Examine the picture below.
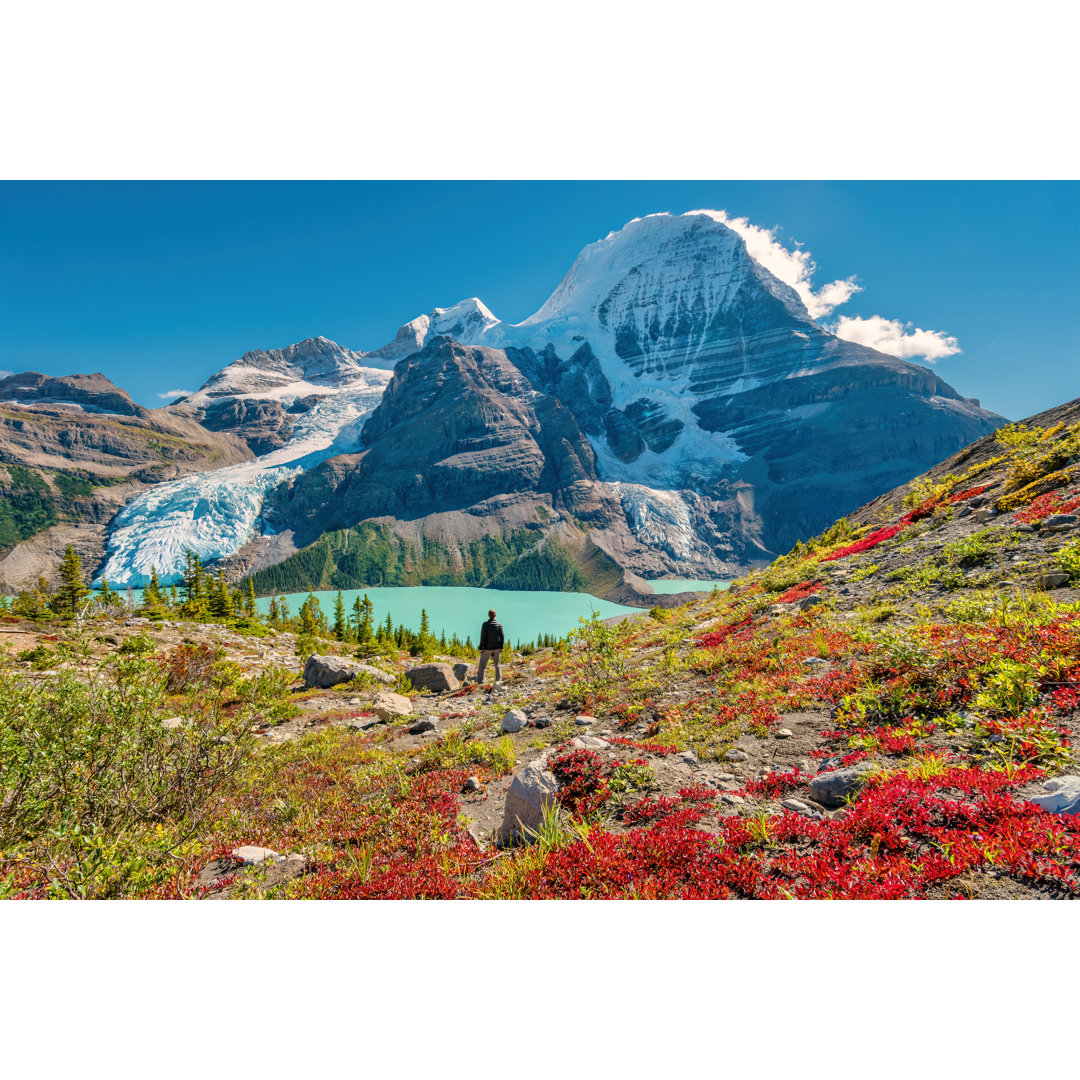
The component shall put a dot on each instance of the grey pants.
(485, 656)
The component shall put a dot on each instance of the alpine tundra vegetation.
(889, 710)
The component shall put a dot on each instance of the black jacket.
(491, 635)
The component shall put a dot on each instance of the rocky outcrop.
(332, 670)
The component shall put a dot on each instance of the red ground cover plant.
(660, 749)
(867, 542)
(739, 631)
(1044, 506)
(800, 592)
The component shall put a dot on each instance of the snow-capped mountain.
(721, 420)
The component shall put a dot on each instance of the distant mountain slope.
(73, 451)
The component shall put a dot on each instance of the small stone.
(589, 742)
(732, 800)
(513, 721)
(784, 733)
(354, 701)
(1025, 528)
(173, 722)
(564, 703)
(425, 723)
(736, 755)
(724, 776)
(1056, 784)
(689, 757)
(250, 856)
(795, 804)
(472, 784)
(584, 721)
(963, 512)
(542, 722)
(815, 660)
(1059, 519)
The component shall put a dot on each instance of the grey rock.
(461, 672)
(832, 788)
(1063, 798)
(1054, 579)
(437, 678)
(724, 776)
(331, 670)
(542, 722)
(390, 706)
(589, 742)
(963, 512)
(1059, 519)
(425, 723)
(1025, 528)
(513, 721)
(736, 755)
(531, 792)
(808, 602)
(173, 722)
(795, 804)
(732, 800)
(584, 721)
(472, 784)
(689, 757)
(784, 733)
(815, 660)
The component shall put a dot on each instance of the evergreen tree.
(73, 590)
(341, 625)
(220, 603)
(152, 591)
(273, 617)
(249, 598)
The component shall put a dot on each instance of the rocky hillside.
(73, 451)
(888, 711)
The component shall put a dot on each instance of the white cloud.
(896, 338)
(170, 394)
(794, 268)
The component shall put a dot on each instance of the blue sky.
(158, 285)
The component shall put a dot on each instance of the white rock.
(1063, 799)
(250, 855)
(588, 742)
(513, 721)
(584, 721)
(390, 706)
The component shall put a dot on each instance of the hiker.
(491, 643)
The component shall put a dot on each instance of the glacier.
(215, 513)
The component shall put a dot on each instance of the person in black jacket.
(491, 644)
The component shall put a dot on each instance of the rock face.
(331, 670)
(83, 426)
(435, 677)
(531, 792)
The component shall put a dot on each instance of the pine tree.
(341, 625)
(106, 594)
(273, 617)
(249, 598)
(152, 591)
(220, 603)
(73, 588)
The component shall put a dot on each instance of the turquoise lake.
(667, 586)
(460, 610)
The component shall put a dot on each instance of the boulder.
(833, 788)
(435, 677)
(461, 672)
(425, 723)
(1062, 795)
(331, 670)
(1054, 579)
(531, 792)
(249, 855)
(513, 721)
(390, 706)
